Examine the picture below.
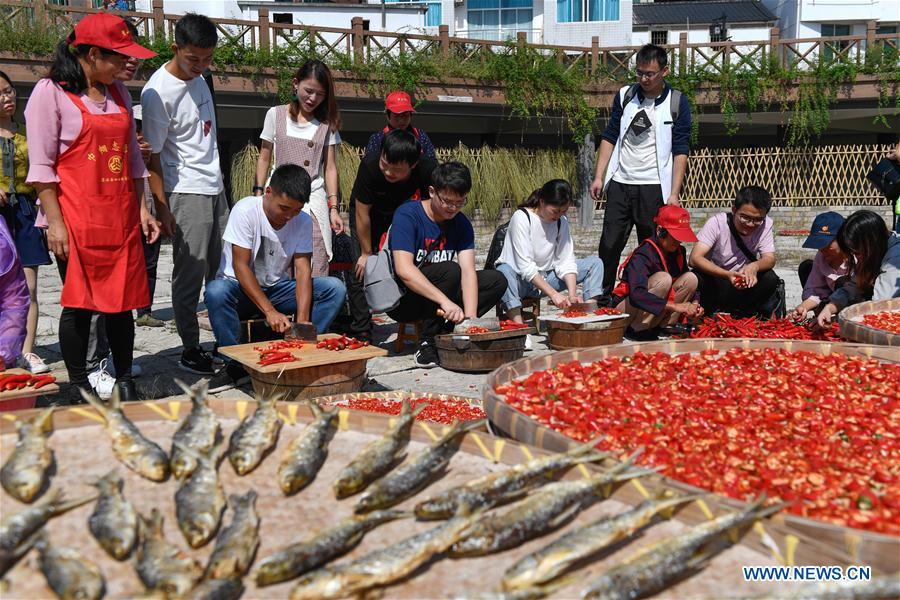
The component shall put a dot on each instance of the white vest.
(664, 126)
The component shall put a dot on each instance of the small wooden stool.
(531, 310)
(404, 335)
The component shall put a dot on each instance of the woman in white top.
(305, 133)
(538, 257)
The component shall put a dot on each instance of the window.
(659, 38)
(576, 11)
(833, 48)
(286, 18)
(499, 19)
(883, 29)
(433, 16)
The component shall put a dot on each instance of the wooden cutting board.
(309, 355)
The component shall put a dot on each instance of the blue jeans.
(590, 274)
(228, 304)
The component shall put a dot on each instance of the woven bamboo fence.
(811, 176)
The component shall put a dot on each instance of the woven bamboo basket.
(852, 327)
(812, 541)
(285, 520)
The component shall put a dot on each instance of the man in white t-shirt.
(179, 123)
(266, 238)
(642, 157)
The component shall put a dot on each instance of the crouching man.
(735, 258)
(433, 248)
(657, 289)
(266, 238)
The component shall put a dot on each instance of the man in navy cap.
(823, 274)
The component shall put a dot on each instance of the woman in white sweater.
(538, 257)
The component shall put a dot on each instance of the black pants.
(626, 206)
(803, 271)
(447, 277)
(361, 317)
(98, 342)
(151, 258)
(74, 331)
(718, 295)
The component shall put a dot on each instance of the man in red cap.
(399, 110)
(656, 287)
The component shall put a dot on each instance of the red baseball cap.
(677, 221)
(109, 32)
(398, 102)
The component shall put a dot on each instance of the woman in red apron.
(87, 169)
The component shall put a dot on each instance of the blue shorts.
(31, 242)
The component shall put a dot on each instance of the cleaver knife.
(301, 331)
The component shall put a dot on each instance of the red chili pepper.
(477, 329)
(572, 314)
(509, 325)
(604, 310)
(40, 381)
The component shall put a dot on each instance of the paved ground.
(157, 349)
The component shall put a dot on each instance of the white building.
(395, 16)
(715, 21)
(814, 18)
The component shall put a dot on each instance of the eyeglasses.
(646, 74)
(10, 93)
(750, 220)
(451, 205)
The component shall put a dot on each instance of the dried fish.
(24, 474)
(255, 436)
(236, 545)
(114, 520)
(307, 453)
(199, 431)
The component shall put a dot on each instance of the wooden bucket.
(481, 352)
(852, 327)
(563, 336)
(818, 543)
(312, 382)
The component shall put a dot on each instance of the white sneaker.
(33, 363)
(102, 382)
(136, 370)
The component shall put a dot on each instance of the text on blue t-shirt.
(412, 231)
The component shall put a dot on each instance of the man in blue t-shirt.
(433, 247)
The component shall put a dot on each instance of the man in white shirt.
(266, 238)
(179, 123)
(642, 157)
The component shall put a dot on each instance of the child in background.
(823, 274)
(14, 300)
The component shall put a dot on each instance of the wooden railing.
(359, 45)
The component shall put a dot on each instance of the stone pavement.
(157, 350)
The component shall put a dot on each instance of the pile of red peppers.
(820, 431)
(726, 326)
(20, 381)
(341, 343)
(437, 411)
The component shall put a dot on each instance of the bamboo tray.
(810, 541)
(319, 372)
(852, 327)
(285, 520)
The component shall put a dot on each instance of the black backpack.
(496, 247)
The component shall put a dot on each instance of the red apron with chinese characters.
(106, 271)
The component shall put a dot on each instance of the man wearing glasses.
(433, 247)
(735, 255)
(642, 157)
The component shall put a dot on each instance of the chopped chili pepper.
(604, 310)
(818, 430)
(509, 325)
(573, 314)
(888, 321)
(437, 411)
(477, 329)
(341, 343)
